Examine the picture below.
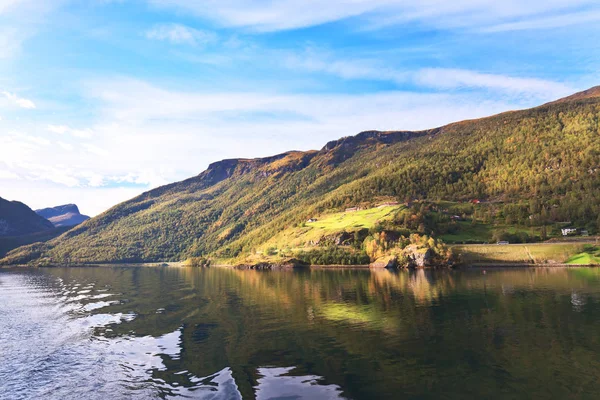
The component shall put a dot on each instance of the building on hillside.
(352, 209)
(456, 218)
(569, 231)
(312, 220)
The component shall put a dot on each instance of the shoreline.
(518, 255)
(307, 267)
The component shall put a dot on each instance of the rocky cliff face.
(57, 211)
(418, 258)
(65, 215)
(342, 149)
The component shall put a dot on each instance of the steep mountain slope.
(18, 219)
(19, 226)
(542, 164)
(65, 215)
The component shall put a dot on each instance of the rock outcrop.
(418, 257)
(385, 262)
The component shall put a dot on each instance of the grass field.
(538, 253)
(330, 224)
(589, 256)
(353, 220)
(468, 232)
(480, 232)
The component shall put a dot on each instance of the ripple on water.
(49, 329)
(144, 333)
(48, 335)
(278, 383)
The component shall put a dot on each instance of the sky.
(101, 100)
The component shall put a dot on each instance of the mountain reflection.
(315, 334)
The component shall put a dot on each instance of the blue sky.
(103, 99)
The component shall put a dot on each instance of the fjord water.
(132, 332)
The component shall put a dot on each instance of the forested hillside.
(522, 173)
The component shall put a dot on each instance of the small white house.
(569, 231)
(312, 220)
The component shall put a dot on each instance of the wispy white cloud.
(92, 179)
(301, 121)
(438, 78)
(265, 15)
(6, 5)
(474, 15)
(18, 149)
(41, 141)
(19, 101)
(31, 9)
(21, 20)
(149, 176)
(446, 78)
(321, 61)
(67, 130)
(271, 16)
(546, 22)
(181, 34)
(130, 146)
(65, 146)
(8, 175)
(56, 174)
(96, 150)
(10, 42)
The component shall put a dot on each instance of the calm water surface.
(131, 332)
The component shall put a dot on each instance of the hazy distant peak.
(64, 215)
(58, 210)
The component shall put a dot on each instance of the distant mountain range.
(18, 219)
(20, 225)
(65, 215)
(523, 173)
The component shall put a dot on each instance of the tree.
(544, 233)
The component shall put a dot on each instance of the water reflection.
(315, 334)
(578, 301)
(277, 383)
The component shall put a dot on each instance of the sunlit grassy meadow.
(330, 224)
(538, 253)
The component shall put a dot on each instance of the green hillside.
(329, 226)
(519, 175)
